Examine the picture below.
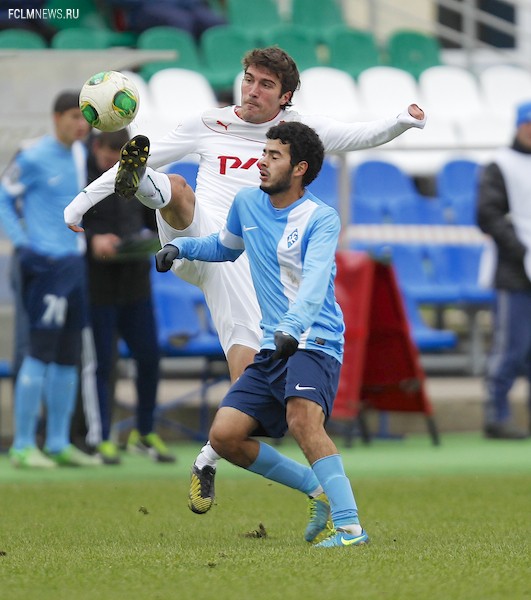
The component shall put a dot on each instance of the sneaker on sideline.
(108, 452)
(504, 431)
(30, 458)
(151, 445)
(73, 457)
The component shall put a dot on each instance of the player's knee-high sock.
(331, 475)
(271, 464)
(154, 190)
(28, 395)
(61, 394)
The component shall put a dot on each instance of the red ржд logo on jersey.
(233, 162)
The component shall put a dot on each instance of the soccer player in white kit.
(229, 142)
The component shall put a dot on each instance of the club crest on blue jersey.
(293, 237)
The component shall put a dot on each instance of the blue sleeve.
(226, 245)
(13, 185)
(319, 260)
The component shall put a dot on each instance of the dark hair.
(112, 139)
(305, 145)
(277, 61)
(65, 101)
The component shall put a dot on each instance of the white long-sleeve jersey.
(229, 149)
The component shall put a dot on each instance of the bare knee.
(229, 436)
(223, 440)
(179, 212)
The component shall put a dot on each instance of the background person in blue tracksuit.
(52, 266)
(290, 237)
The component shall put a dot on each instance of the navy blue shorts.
(265, 386)
(54, 293)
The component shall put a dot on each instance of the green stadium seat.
(222, 49)
(21, 39)
(254, 17)
(299, 43)
(316, 15)
(82, 38)
(351, 50)
(169, 38)
(413, 51)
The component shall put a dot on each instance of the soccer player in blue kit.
(290, 237)
(229, 141)
(44, 176)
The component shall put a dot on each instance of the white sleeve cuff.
(406, 119)
(74, 212)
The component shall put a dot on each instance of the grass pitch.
(445, 523)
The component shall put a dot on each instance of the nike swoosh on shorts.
(301, 388)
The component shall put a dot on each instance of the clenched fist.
(165, 257)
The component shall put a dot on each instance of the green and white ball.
(109, 101)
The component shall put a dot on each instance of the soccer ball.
(109, 101)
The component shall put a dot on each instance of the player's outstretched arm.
(338, 136)
(207, 249)
(95, 192)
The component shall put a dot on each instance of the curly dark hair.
(280, 63)
(305, 145)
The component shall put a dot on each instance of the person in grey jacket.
(504, 213)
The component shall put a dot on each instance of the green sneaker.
(108, 452)
(319, 511)
(73, 457)
(30, 458)
(132, 166)
(150, 445)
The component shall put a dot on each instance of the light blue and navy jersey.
(45, 176)
(292, 257)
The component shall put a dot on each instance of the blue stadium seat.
(459, 265)
(415, 210)
(426, 338)
(325, 186)
(383, 187)
(365, 212)
(185, 330)
(457, 183)
(421, 277)
(187, 169)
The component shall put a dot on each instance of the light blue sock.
(272, 465)
(28, 396)
(61, 394)
(331, 475)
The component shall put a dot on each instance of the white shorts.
(228, 287)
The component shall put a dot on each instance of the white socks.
(316, 492)
(154, 190)
(207, 457)
(354, 529)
